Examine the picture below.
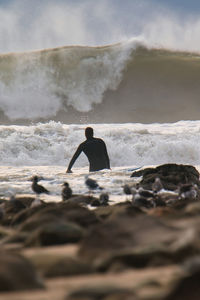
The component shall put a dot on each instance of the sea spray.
(39, 84)
(120, 83)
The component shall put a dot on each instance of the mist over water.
(30, 25)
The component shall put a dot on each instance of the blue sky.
(27, 24)
(186, 6)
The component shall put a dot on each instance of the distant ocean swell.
(126, 82)
(53, 143)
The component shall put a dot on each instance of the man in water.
(95, 150)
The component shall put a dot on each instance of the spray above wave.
(125, 82)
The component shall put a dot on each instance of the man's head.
(89, 132)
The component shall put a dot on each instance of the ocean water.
(45, 149)
(142, 101)
(129, 82)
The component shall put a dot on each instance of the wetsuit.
(96, 152)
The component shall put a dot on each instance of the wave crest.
(125, 82)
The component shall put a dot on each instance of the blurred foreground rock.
(114, 252)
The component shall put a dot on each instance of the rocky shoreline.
(123, 251)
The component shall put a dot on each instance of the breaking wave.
(125, 82)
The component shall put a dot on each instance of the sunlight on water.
(17, 181)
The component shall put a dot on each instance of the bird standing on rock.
(145, 193)
(188, 191)
(157, 185)
(143, 198)
(38, 189)
(104, 198)
(66, 191)
(127, 189)
(142, 201)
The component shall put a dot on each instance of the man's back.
(95, 150)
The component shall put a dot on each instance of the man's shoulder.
(93, 140)
(99, 140)
(82, 144)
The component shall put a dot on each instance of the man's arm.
(74, 158)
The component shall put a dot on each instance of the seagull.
(92, 184)
(145, 193)
(141, 201)
(66, 191)
(38, 189)
(188, 191)
(104, 198)
(127, 189)
(157, 185)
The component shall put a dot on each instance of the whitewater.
(119, 83)
(142, 101)
(45, 149)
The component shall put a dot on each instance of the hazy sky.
(181, 5)
(27, 24)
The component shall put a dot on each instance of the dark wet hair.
(89, 132)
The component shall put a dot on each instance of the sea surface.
(141, 100)
(45, 149)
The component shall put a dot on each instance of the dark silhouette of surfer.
(95, 150)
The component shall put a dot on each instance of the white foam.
(39, 84)
(128, 144)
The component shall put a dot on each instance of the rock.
(27, 213)
(78, 214)
(82, 199)
(36, 221)
(187, 288)
(17, 273)
(68, 267)
(95, 203)
(6, 232)
(26, 200)
(15, 238)
(193, 208)
(14, 206)
(31, 218)
(113, 211)
(101, 293)
(142, 172)
(171, 176)
(55, 233)
(140, 242)
(142, 232)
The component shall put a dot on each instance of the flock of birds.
(67, 191)
(157, 195)
(139, 196)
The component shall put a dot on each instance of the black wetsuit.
(96, 152)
